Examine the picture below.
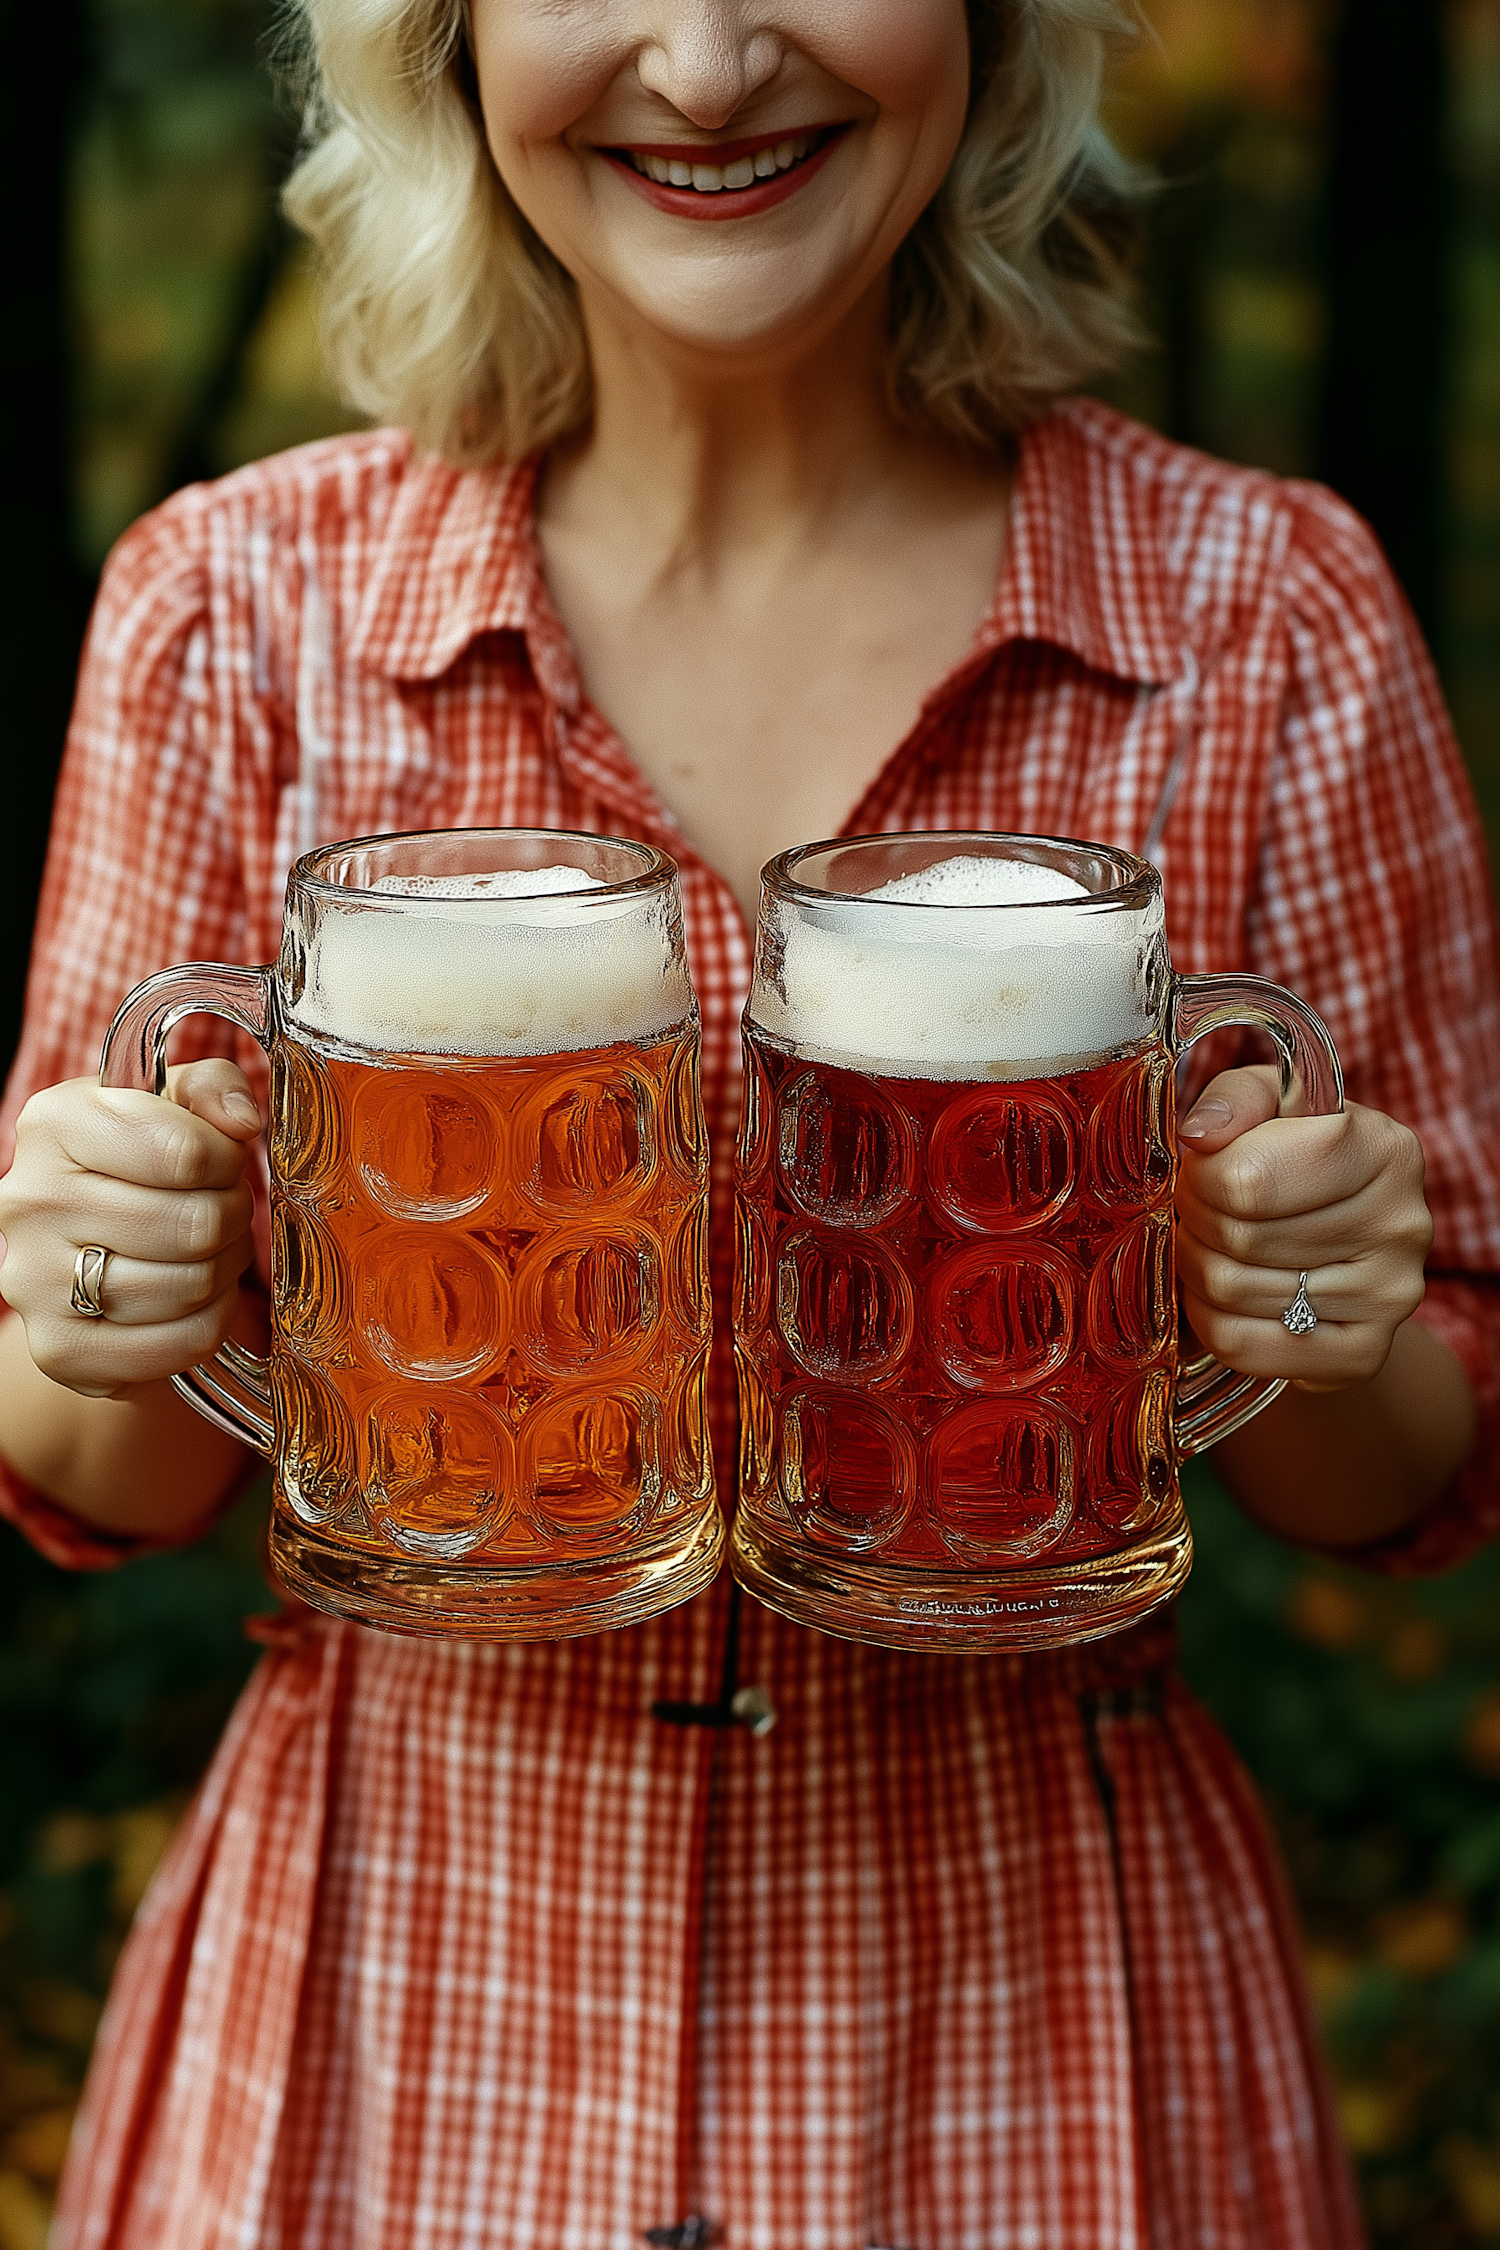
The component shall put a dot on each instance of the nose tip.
(707, 66)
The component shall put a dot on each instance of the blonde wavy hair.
(446, 313)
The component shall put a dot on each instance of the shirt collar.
(458, 557)
(1083, 570)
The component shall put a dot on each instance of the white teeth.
(712, 179)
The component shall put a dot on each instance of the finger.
(1231, 1104)
(102, 1358)
(123, 1135)
(1289, 1166)
(1334, 1356)
(1384, 1217)
(1379, 1290)
(135, 1293)
(219, 1092)
(133, 1222)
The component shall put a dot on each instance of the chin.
(750, 307)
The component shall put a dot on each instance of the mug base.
(1047, 1606)
(553, 1601)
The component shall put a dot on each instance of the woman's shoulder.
(1221, 548)
(338, 511)
(346, 484)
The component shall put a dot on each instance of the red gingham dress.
(461, 1947)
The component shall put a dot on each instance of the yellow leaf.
(39, 2143)
(24, 2214)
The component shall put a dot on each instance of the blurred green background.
(1324, 281)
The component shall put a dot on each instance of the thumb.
(219, 1093)
(1229, 1105)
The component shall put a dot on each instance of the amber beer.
(485, 1393)
(955, 1309)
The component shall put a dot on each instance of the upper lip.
(724, 152)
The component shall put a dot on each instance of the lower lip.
(728, 203)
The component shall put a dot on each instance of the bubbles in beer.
(1002, 1318)
(595, 1465)
(519, 962)
(426, 1146)
(437, 1472)
(844, 1307)
(591, 1140)
(956, 971)
(847, 1152)
(585, 1303)
(430, 1306)
(1004, 1156)
(847, 1469)
(1003, 1480)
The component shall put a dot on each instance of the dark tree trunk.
(43, 594)
(1379, 437)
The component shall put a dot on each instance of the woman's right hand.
(159, 1184)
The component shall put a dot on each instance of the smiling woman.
(723, 536)
(448, 311)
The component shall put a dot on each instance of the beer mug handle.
(233, 1389)
(1212, 1400)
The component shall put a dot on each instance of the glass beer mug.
(484, 1399)
(962, 1410)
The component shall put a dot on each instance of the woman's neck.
(713, 472)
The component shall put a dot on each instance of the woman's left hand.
(1262, 1199)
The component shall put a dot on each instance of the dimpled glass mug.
(961, 1404)
(484, 1399)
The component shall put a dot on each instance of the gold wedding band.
(88, 1280)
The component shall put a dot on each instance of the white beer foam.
(516, 962)
(924, 978)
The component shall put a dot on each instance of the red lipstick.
(725, 203)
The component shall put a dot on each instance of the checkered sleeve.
(1374, 901)
(141, 870)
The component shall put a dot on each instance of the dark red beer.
(955, 1312)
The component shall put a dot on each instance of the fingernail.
(240, 1107)
(1210, 1115)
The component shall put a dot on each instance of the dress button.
(753, 1709)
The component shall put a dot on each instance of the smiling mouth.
(742, 165)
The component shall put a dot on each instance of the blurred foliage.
(1369, 1712)
(196, 330)
(113, 1692)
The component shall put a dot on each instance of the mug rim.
(659, 871)
(1140, 881)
